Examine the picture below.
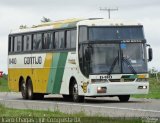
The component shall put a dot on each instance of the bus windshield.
(127, 58)
(116, 33)
(116, 58)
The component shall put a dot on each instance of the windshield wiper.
(129, 64)
(123, 59)
(113, 65)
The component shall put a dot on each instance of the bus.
(79, 58)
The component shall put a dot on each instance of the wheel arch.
(71, 82)
(28, 77)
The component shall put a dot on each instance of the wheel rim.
(23, 87)
(75, 91)
(29, 91)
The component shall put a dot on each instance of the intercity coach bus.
(79, 58)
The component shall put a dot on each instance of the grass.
(154, 90)
(4, 84)
(81, 116)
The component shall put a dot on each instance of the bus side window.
(47, 41)
(73, 39)
(27, 43)
(56, 40)
(61, 40)
(10, 48)
(15, 44)
(18, 43)
(37, 42)
(68, 40)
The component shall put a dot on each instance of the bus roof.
(70, 23)
(108, 22)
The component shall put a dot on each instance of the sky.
(14, 13)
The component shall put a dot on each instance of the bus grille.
(121, 80)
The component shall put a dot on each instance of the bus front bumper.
(117, 88)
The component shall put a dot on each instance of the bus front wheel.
(124, 98)
(75, 96)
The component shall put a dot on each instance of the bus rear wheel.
(31, 94)
(75, 96)
(30, 90)
(24, 90)
(124, 98)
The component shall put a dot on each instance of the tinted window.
(27, 43)
(47, 41)
(71, 39)
(15, 44)
(18, 43)
(115, 33)
(82, 34)
(37, 41)
(68, 42)
(11, 44)
(59, 40)
(56, 40)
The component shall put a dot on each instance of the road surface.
(102, 106)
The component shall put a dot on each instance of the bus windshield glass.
(118, 58)
(116, 33)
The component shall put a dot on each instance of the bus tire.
(75, 96)
(30, 93)
(23, 89)
(124, 98)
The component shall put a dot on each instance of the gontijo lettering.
(33, 60)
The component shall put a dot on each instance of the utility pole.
(109, 11)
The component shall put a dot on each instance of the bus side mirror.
(150, 54)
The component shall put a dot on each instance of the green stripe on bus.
(52, 74)
(59, 72)
(56, 72)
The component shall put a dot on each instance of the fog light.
(142, 87)
(101, 90)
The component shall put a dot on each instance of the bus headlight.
(141, 80)
(101, 89)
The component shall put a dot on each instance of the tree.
(44, 19)
(154, 73)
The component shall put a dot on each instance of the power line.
(109, 11)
